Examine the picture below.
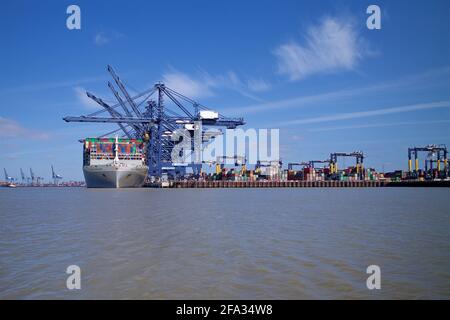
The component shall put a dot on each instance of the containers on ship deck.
(105, 149)
(107, 145)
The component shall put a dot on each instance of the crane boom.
(111, 111)
(124, 91)
(124, 107)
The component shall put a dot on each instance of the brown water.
(224, 243)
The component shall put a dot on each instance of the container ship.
(114, 163)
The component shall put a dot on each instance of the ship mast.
(116, 150)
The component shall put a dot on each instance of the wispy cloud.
(12, 129)
(378, 125)
(309, 100)
(101, 39)
(370, 113)
(332, 45)
(39, 150)
(258, 85)
(82, 98)
(233, 82)
(186, 85)
(204, 84)
(50, 85)
(303, 101)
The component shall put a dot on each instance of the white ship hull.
(111, 176)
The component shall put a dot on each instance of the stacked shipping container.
(104, 149)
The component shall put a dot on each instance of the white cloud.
(296, 137)
(186, 85)
(205, 84)
(231, 81)
(332, 45)
(50, 85)
(84, 99)
(101, 39)
(429, 76)
(378, 125)
(370, 113)
(258, 85)
(12, 129)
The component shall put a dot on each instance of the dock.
(306, 184)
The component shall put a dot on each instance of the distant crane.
(268, 163)
(313, 162)
(238, 161)
(35, 179)
(291, 165)
(55, 176)
(22, 175)
(25, 179)
(358, 155)
(7, 177)
(435, 154)
(268, 167)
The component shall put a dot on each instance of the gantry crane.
(313, 162)
(435, 153)
(146, 116)
(270, 164)
(291, 165)
(35, 179)
(294, 175)
(358, 155)
(7, 177)
(55, 176)
(238, 161)
(22, 175)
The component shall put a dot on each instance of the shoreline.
(300, 184)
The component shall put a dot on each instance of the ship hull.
(114, 177)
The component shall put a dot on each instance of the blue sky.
(310, 68)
